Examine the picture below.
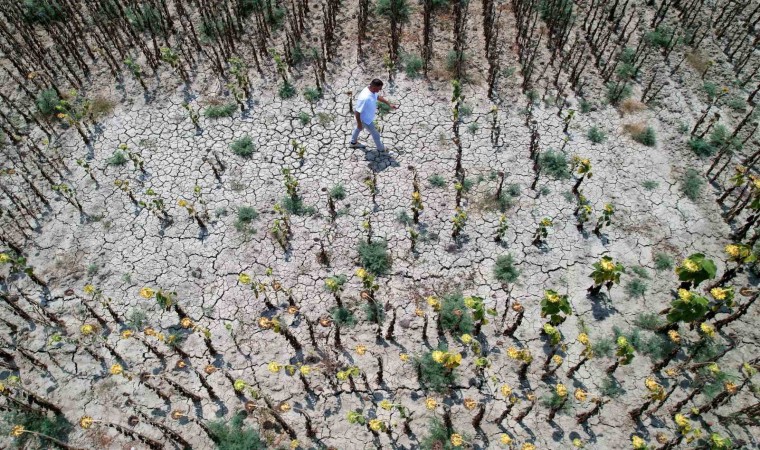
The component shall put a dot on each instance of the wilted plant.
(542, 231)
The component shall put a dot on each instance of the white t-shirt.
(366, 105)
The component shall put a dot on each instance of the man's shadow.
(379, 161)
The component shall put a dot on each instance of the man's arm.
(358, 120)
(382, 99)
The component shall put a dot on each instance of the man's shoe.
(356, 145)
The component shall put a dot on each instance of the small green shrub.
(532, 96)
(338, 192)
(403, 217)
(711, 89)
(245, 216)
(640, 272)
(513, 190)
(343, 317)
(660, 37)
(467, 184)
(145, 18)
(649, 321)
(504, 271)
(56, 427)
(617, 92)
(691, 184)
(286, 91)
(295, 205)
(701, 147)
(374, 312)
(219, 111)
(585, 106)
(385, 8)
(736, 103)
(554, 164)
(636, 288)
(603, 347)
(663, 261)
(383, 109)
(611, 388)
(436, 180)
(136, 319)
(646, 137)
(212, 29)
(451, 60)
(433, 375)
(465, 110)
(46, 102)
(43, 12)
(650, 185)
(233, 435)
(374, 257)
(455, 316)
(596, 135)
(412, 65)
(439, 437)
(304, 118)
(117, 159)
(312, 94)
(656, 347)
(243, 147)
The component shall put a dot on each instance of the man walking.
(364, 111)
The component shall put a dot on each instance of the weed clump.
(56, 427)
(436, 180)
(663, 261)
(691, 184)
(338, 192)
(117, 159)
(412, 65)
(645, 137)
(245, 216)
(504, 270)
(343, 317)
(649, 321)
(233, 435)
(455, 316)
(636, 288)
(374, 256)
(219, 111)
(554, 164)
(617, 92)
(46, 102)
(434, 375)
(286, 91)
(374, 312)
(243, 147)
(596, 135)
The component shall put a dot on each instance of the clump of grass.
(473, 128)
(640, 272)
(504, 271)
(233, 435)
(711, 89)
(611, 388)
(701, 147)
(433, 375)
(596, 135)
(663, 261)
(412, 65)
(656, 347)
(304, 118)
(56, 427)
(736, 103)
(117, 159)
(219, 111)
(602, 347)
(295, 205)
(455, 316)
(286, 90)
(465, 110)
(649, 321)
(617, 92)
(436, 180)
(338, 192)
(245, 216)
(101, 107)
(374, 256)
(374, 312)
(46, 102)
(554, 164)
(451, 60)
(691, 184)
(343, 317)
(636, 288)
(403, 217)
(646, 137)
(585, 106)
(243, 147)
(312, 94)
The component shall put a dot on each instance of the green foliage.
(117, 159)
(213, 28)
(46, 102)
(504, 270)
(338, 192)
(737, 103)
(374, 312)
(233, 435)
(611, 388)
(603, 347)
(656, 347)
(374, 256)
(532, 96)
(688, 310)
(43, 12)
(650, 185)
(455, 316)
(649, 321)
(386, 8)
(243, 147)
(701, 147)
(433, 375)
(465, 110)
(136, 319)
(473, 128)
(312, 94)
(636, 288)
(343, 317)
(707, 352)
(555, 306)
(245, 216)
(286, 90)
(646, 137)
(640, 272)
(691, 184)
(554, 164)
(219, 111)
(403, 217)
(617, 92)
(56, 427)
(554, 401)
(145, 18)
(295, 205)
(660, 37)
(439, 437)
(663, 261)
(513, 190)
(585, 106)
(451, 60)
(711, 89)
(412, 65)
(596, 135)
(436, 180)
(304, 118)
